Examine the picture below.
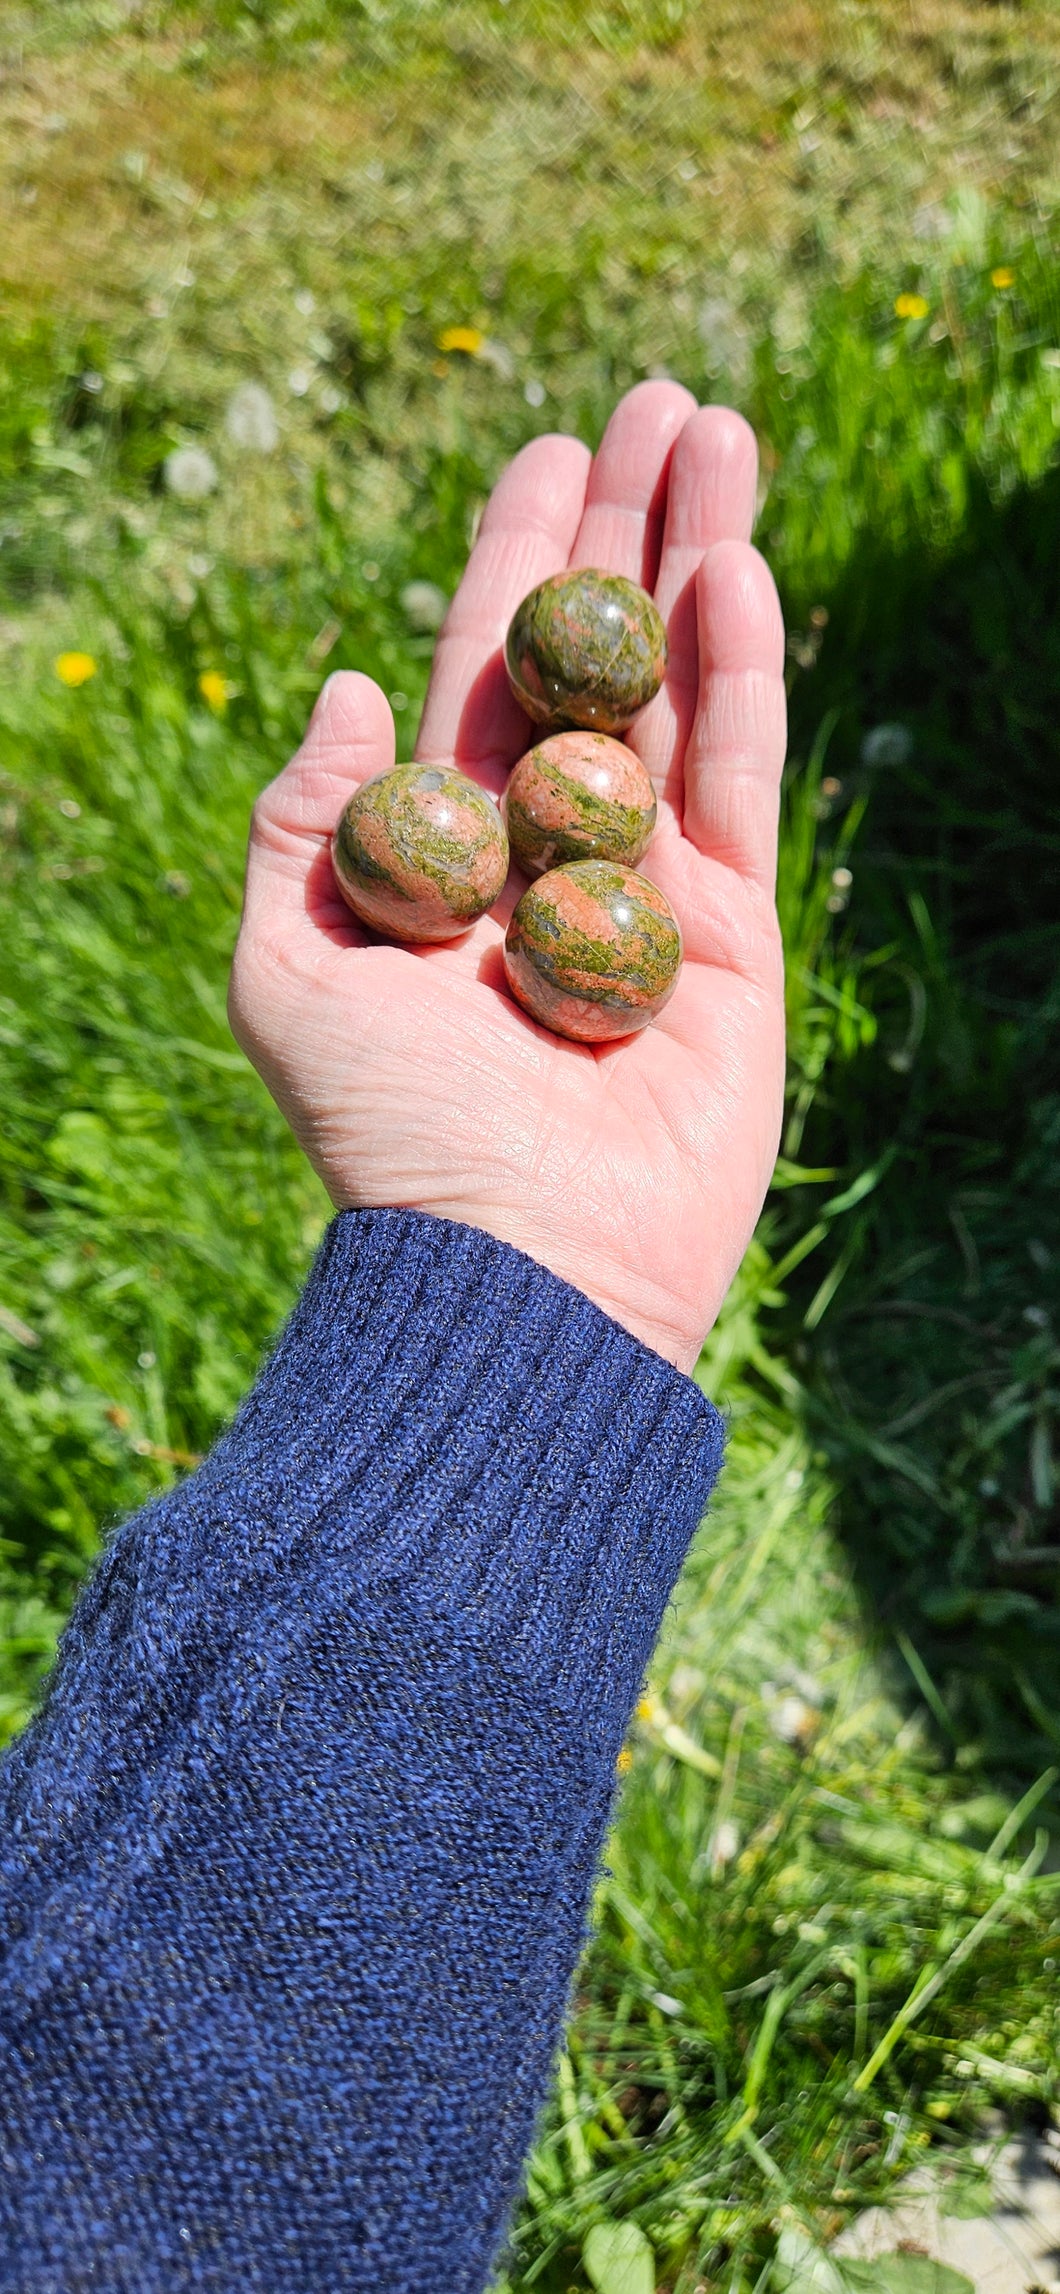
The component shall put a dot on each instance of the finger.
(625, 501)
(710, 498)
(735, 751)
(527, 529)
(721, 927)
(349, 738)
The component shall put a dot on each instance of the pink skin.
(635, 1170)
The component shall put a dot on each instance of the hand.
(635, 1170)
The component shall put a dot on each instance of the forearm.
(297, 1861)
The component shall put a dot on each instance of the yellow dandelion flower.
(468, 339)
(75, 668)
(646, 1708)
(625, 1761)
(214, 690)
(1002, 277)
(910, 307)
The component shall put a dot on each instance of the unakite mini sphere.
(578, 796)
(593, 951)
(586, 648)
(420, 852)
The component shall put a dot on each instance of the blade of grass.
(932, 1979)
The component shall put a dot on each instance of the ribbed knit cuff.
(499, 1450)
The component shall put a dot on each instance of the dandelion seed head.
(931, 222)
(887, 745)
(190, 473)
(423, 605)
(250, 419)
(499, 357)
(725, 339)
(793, 1721)
(725, 1842)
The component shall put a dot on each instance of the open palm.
(635, 1169)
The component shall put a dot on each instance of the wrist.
(646, 1309)
(629, 1297)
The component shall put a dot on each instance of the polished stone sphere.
(578, 796)
(586, 648)
(593, 951)
(420, 852)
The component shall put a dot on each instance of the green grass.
(842, 1800)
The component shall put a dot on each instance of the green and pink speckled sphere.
(578, 796)
(420, 852)
(593, 951)
(586, 648)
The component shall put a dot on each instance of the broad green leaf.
(802, 2267)
(905, 2274)
(619, 2259)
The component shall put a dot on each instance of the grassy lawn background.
(830, 1934)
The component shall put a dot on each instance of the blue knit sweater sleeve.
(296, 1861)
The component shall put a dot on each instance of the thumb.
(349, 738)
